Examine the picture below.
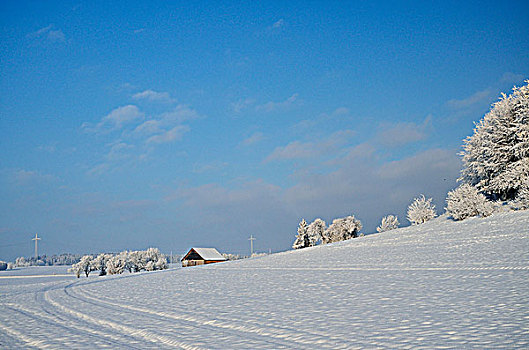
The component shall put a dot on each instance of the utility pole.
(251, 239)
(36, 239)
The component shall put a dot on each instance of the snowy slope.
(442, 284)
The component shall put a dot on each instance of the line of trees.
(112, 264)
(43, 260)
(495, 175)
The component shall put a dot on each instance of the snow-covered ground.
(443, 284)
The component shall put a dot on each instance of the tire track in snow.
(48, 321)
(39, 344)
(300, 336)
(476, 268)
(150, 337)
(68, 325)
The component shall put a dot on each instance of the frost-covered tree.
(342, 229)
(302, 238)
(99, 263)
(421, 210)
(389, 222)
(116, 264)
(521, 202)
(465, 201)
(21, 262)
(496, 156)
(315, 231)
(85, 265)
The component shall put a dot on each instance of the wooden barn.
(202, 256)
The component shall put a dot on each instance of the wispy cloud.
(323, 118)
(171, 135)
(470, 101)
(253, 139)
(303, 150)
(209, 167)
(118, 151)
(399, 134)
(115, 120)
(274, 106)
(49, 34)
(153, 96)
(28, 177)
(279, 23)
(242, 104)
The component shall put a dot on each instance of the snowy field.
(438, 285)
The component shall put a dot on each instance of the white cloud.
(171, 135)
(303, 150)
(153, 96)
(209, 167)
(511, 78)
(148, 127)
(274, 106)
(294, 150)
(242, 104)
(116, 119)
(49, 34)
(399, 134)
(254, 138)
(470, 101)
(279, 23)
(179, 114)
(119, 151)
(360, 186)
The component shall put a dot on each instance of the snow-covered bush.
(496, 156)
(342, 229)
(465, 201)
(100, 263)
(421, 210)
(21, 262)
(3, 265)
(302, 238)
(315, 231)
(85, 265)
(389, 222)
(229, 256)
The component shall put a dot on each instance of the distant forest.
(44, 260)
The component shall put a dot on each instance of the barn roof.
(207, 253)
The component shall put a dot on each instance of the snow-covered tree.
(302, 238)
(161, 263)
(21, 262)
(99, 263)
(465, 201)
(116, 264)
(496, 156)
(421, 210)
(389, 222)
(521, 202)
(342, 229)
(315, 231)
(85, 265)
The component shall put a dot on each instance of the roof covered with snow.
(207, 253)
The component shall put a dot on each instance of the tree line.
(494, 177)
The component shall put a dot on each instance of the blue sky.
(173, 124)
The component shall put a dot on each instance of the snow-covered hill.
(443, 284)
